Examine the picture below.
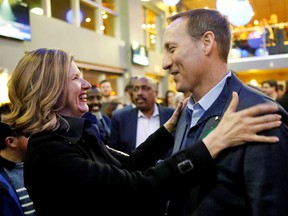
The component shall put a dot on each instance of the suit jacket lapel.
(164, 114)
(133, 119)
(180, 132)
(232, 84)
(161, 115)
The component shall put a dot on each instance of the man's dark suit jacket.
(252, 178)
(283, 101)
(124, 127)
(103, 133)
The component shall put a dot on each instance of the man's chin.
(142, 107)
(179, 89)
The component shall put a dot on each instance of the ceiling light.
(37, 10)
(171, 2)
(239, 12)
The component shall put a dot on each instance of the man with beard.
(130, 127)
(101, 120)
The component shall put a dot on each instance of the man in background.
(14, 199)
(128, 100)
(130, 127)
(283, 101)
(280, 91)
(106, 90)
(270, 88)
(106, 93)
(102, 121)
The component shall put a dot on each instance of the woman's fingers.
(236, 128)
(178, 110)
(263, 120)
(264, 139)
(184, 103)
(256, 110)
(233, 103)
(261, 124)
(266, 126)
(171, 124)
(259, 109)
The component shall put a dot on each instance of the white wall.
(84, 44)
(11, 51)
(259, 62)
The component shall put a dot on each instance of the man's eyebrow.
(166, 45)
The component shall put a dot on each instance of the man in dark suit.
(102, 121)
(283, 101)
(130, 127)
(251, 180)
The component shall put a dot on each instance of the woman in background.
(169, 99)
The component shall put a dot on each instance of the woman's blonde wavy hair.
(38, 91)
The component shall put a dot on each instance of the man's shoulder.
(125, 111)
(249, 97)
(105, 117)
(90, 117)
(165, 109)
(252, 97)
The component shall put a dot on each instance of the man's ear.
(208, 42)
(10, 141)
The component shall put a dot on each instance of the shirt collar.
(155, 112)
(208, 99)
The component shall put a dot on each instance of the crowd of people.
(70, 149)
(277, 91)
(272, 88)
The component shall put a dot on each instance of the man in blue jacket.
(14, 199)
(251, 181)
(95, 115)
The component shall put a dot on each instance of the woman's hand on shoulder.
(236, 128)
(171, 124)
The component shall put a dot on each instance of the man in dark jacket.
(251, 181)
(102, 121)
(130, 127)
(14, 199)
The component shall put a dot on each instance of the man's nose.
(166, 63)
